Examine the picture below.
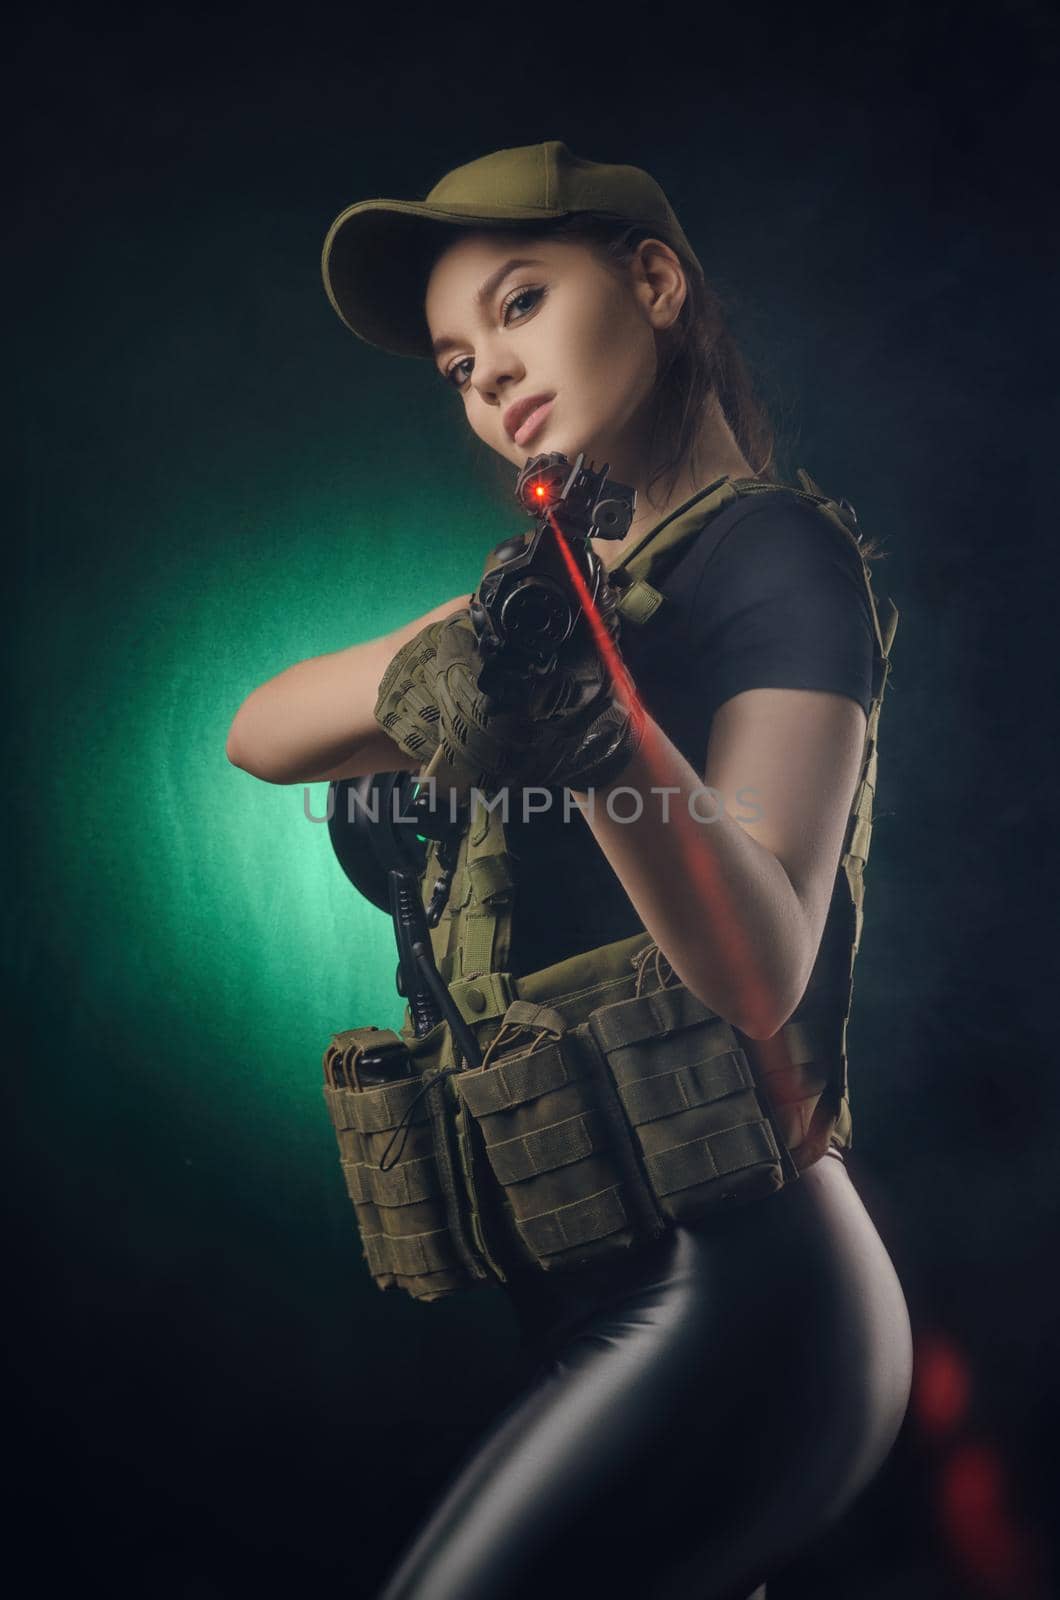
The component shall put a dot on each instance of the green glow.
(220, 482)
(199, 908)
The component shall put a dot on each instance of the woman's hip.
(693, 1422)
(788, 1313)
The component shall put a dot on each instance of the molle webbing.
(401, 1213)
(473, 934)
(605, 1111)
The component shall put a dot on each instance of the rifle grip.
(447, 779)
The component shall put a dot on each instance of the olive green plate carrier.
(611, 1103)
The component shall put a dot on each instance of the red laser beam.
(616, 667)
(734, 952)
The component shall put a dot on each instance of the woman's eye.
(453, 376)
(524, 294)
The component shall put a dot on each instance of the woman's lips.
(533, 422)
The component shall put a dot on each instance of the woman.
(705, 1407)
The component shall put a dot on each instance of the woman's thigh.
(698, 1425)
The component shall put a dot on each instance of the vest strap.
(528, 1014)
(483, 997)
(639, 602)
(531, 1154)
(412, 1254)
(582, 1222)
(648, 1099)
(716, 1156)
(513, 1083)
(403, 1185)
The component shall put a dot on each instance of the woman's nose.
(494, 374)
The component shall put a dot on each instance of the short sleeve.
(780, 604)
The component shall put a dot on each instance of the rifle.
(528, 608)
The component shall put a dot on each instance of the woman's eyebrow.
(487, 289)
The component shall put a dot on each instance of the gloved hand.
(404, 708)
(407, 709)
(570, 728)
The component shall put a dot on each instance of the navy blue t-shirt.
(767, 595)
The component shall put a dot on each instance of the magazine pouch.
(388, 1135)
(557, 1141)
(704, 1134)
(603, 1131)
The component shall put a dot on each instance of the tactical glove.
(404, 708)
(568, 728)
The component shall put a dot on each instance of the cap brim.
(377, 259)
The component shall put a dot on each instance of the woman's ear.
(659, 283)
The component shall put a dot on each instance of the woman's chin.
(548, 442)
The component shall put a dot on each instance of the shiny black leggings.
(695, 1419)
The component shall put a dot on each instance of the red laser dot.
(942, 1385)
(984, 1535)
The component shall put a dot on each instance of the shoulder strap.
(842, 516)
(639, 601)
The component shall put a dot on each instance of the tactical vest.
(611, 1102)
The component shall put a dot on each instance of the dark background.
(213, 479)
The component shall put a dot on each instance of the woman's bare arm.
(738, 904)
(315, 721)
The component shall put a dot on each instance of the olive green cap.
(378, 253)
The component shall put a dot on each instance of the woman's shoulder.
(768, 542)
(779, 600)
(764, 548)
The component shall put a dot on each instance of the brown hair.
(699, 358)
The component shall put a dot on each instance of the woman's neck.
(717, 456)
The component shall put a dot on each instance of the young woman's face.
(558, 329)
